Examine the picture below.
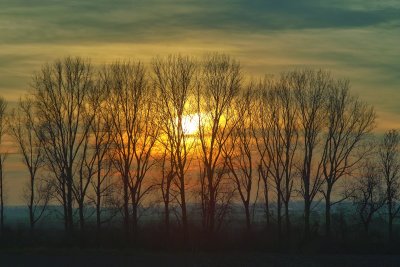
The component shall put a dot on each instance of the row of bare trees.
(377, 186)
(185, 130)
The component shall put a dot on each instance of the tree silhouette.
(310, 92)
(220, 82)
(388, 153)
(277, 139)
(368, 195)
(238, 150)
(175, 79)
(132, 113)
(3, 155)
(23, 127)
(61, 91)
(349, 121)
(106, 143)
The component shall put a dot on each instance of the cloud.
(356, 39)
(45, 21)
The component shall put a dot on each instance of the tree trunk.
(1, 200)
(267, 204)
(211, 212)
(81, 216)
(183, 208)
(307, 206)
(126, 207)
(30, 206)
(247, 210)
(98, 199)
(134, 218)
(327, 218)
(98, 216)
(166, 217)
(98, 210)
(279, 213)
(31, 217)
(287, 218)
(81, 223)
(390, 217)
(328, 211)
(64, 200)
(69, 200)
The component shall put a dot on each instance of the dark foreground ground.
(124, 258)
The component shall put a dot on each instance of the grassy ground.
(98, 258)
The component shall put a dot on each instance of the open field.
(76, 257)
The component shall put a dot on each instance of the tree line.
(187, 130)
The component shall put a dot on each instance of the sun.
(190, 124)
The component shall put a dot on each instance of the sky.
(355, 39)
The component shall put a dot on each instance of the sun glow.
(190, 124)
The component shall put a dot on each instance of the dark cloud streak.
(115, 21)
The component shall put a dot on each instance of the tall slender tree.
(100, 164)
(167, 177)
(310, 93)
(132, 110)
(276, 133)
(389, 159)
(175, 80)
(23, 127)
(3, 155)
(368, 193)
(220, 83)
(238, 151)
(61, 91)
(348, 123)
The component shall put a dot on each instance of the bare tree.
(174, 78)
(220, 85)
(85, 173)
(61, 91)
(167, 176)
(269, 144)
(3, 155)
(263, 176)
(132, 112)
(277, 139)
(238, 151)
(23, 127)
(289, 134)
(267, 138)
(261, 135)
(369, 195)
(349, 121)
(389, 160)
(101, 163)
(94, 163)
(310, 92)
